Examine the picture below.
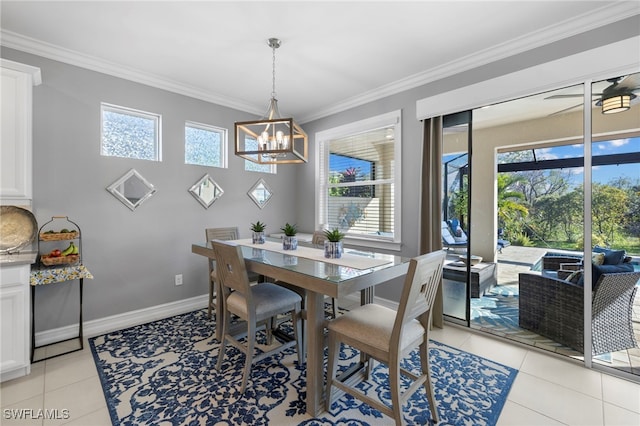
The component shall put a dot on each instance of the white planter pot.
(333, 249)
(289, 243)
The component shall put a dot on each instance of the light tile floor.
(549, 390)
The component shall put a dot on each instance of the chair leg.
(270, 325)
(210, 299)
(428, 384)
(334, 311)
(248, 360)
(223, 338)
(394, 388)
(297, 333)
(332, 367)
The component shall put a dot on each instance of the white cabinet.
(16, 130)
(14, 321)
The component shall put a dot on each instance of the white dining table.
(307, 268)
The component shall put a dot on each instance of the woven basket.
(57, 236)
(61, 260)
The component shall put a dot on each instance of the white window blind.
(358, 180)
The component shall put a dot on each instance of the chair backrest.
(231, 269)
(615, 289)
(318, 238)
(419, 291)
(230, 233)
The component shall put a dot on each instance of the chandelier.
(272, 139)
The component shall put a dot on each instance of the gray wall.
(134, 256)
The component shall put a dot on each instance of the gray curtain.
(431, 200)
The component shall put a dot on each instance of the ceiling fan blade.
(630, 82)
(564, 110)
(569, 96)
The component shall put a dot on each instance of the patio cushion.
(611, 257)
(610, 269)
(575, 276)
(597, 258)
(597, 270)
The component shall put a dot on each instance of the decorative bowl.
(474, 259)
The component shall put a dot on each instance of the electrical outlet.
(179, 279)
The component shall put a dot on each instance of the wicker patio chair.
(554, 308)
(553, 262)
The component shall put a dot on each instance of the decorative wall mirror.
(206, 191)
(260, 193)
(132, 189)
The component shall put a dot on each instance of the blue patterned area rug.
(164, 373)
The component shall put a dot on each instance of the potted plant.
(258, 232)
(333, 244)
(290, 241)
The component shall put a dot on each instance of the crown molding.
(47, 50)
(576, 25)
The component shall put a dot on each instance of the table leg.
(80, 331)
(33, 322)
(315, 353)
(219, 314)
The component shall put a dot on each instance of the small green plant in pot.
(290, 241)
(258, 232)
(333, 245)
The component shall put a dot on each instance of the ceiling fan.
(618, 96)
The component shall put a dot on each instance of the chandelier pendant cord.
(273, 81)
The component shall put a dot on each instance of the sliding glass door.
(615, 224)
(549, 183)
(456, 190)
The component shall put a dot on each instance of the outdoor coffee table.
(484, 276)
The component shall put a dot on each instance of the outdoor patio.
(497, 311)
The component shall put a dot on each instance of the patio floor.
(511, 262)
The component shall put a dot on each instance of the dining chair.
(389, 336)
(230, 233)
(224, 234)
(254, 304)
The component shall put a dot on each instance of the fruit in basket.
(68, 250)
(50, 231)
(75, 250)
(55, 253)
(64, 231)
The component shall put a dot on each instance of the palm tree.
(510, 207)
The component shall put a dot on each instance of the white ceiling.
(334, 55)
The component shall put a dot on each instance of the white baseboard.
(120, 321)
(142, 316)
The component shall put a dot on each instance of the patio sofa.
(553, 307)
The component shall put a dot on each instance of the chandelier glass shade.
(272, 139)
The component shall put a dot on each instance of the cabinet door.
(15, 136)
(14, 318)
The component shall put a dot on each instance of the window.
(359, 180)
(205, 145)
(250, 166)
(130, 133)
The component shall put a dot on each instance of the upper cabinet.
(15, 131)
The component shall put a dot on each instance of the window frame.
(323, 138)
(156, 118)
(224, 139)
